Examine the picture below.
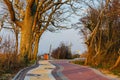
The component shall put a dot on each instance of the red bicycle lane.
(76, 72)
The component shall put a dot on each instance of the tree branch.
(28, 12)
(11, 10)
(51, 5)
(49, 18)
(12, 13)
(31, 2)
(36, 14)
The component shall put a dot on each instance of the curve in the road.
(57, 72)
(74, 72)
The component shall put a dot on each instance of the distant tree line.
(62, 52)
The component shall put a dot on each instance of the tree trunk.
(16, 44)
(26, 37)
(116, 64)
(25, 42)
(30, 55)
(36, 46)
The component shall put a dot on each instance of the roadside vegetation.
(10, 63)
(80, 59)
(101, 28)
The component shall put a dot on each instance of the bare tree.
(62, 52)
(33, 17)
(103, 41)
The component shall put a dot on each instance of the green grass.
(116, 72)
(100, 66)
(78, 62)
(31, 62)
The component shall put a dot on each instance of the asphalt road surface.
(69, 71)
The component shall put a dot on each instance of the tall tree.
(33, 17)
(103, 41)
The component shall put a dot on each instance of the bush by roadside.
(10, 63)
(78, 62)
(104, 69)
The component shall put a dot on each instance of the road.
(63, 70)
(75, 72)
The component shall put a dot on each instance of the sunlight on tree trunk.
(26, 40)
(116, 63)
(29, 15)
(36, 46)
(26, 36)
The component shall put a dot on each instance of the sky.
(66, 36)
